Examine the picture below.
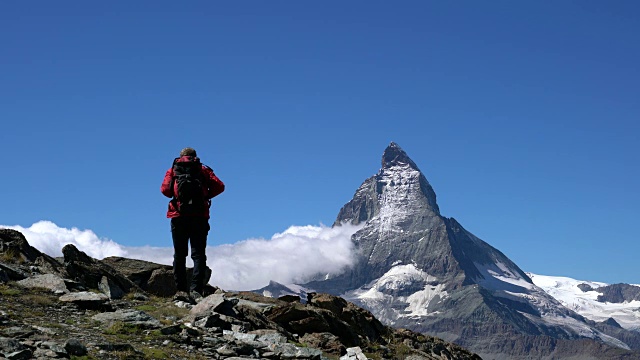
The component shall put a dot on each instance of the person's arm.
(166, 188)
(215, 186)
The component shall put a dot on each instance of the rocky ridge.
(79, 307)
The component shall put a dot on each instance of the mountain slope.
(419, 270)
(596, 301)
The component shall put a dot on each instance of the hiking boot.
(182, 296)
(195, 296)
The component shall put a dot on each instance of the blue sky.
(524, 116)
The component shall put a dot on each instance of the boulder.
(87, 300)
(156, 279)
(75, 347)
(90, 272)
(161, 283)
(15, 249)
(109, 287)
(13, 272)
(47, 281)
(129, 316)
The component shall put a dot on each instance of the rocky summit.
(78, 307)
(419, 270)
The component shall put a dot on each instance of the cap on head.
(188, 152)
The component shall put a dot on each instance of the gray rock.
(13, 272)
(241, 336)
(43, 353)
(161, 283)
(214, 320)
(170, 330)
(618, 293)
(8, 345)
(86, 300)
(17, 332)
(290, 351)
(19, 355)
(226, 350)
(45, 330)
(16, 247)
(585, 287)
(75, 347)
(110, 288)
(129, 316)
(55, 347)
(4, 277)
(216, 303)
(272, 337)
(261, 307)
(140, 297)
(90, 271)
(47, 281)
(354, 353)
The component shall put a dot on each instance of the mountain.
(599, 302)
(422, 271)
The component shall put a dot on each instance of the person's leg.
(180, 235)
(200, 230)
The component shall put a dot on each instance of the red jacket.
(213, 187)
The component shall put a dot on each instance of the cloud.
(50, 239)
(291, 256)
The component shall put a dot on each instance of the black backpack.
(188, 183)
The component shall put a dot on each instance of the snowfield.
(567, 292)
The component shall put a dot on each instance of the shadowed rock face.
(16, 250)
(618, 293)
(95, 274)
(420, 270)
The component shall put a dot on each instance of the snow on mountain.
(406, 290)
(498, 276)
(508, 283)
(582, 297)
(276, 290)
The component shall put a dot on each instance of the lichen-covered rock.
(129, 316)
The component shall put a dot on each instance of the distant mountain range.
(600, 302)
(419, 270)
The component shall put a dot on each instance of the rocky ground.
(81, 308)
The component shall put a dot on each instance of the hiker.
(191, 185)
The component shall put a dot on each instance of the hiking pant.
(194, 230)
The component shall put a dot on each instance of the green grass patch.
(122, 328)
(12, 255)
(146, 308)
(155, 353)
(9, 291)
(39, 299)
(160, 309)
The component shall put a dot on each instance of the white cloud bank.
(293, 255)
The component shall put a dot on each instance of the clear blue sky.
(524, 116)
